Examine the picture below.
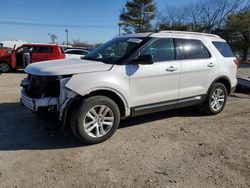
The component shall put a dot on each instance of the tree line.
(228, 18)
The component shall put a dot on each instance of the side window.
(223, 48)
(161, 49)
(41, 49)
(75, 52)
(84, 53)
(191, 49)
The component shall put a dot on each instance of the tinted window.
(224, 49)
(191, 49)
(75, 52)
(41, 49)
(84, 52)
(160, 49)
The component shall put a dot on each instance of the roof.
(75, 49)
(185, 34)
(136, 35)
(189, 33)
(40, 44)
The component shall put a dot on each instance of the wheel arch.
(113, 94)
(116, 96)
(224, 80)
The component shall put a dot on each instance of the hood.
(66, 67)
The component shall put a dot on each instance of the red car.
(13, 59)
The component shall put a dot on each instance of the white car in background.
(75, 53)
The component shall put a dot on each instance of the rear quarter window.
(223, 48)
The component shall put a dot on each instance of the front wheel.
(216, 99)
(4, 67)
(95, 119)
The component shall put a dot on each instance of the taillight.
(237, 62)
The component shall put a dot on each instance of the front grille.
(27, 101)
(41, 86)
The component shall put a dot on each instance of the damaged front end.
(46, 93)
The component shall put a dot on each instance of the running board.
(168, 105)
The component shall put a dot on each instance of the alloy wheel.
(217, 99)
(98, 121)
(4, 67)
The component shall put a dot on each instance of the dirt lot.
(179, 148)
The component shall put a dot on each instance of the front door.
(13, 58)
(158, 82)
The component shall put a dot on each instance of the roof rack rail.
(188, 32)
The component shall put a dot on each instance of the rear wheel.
(216, 99)
(4, 67)
(95, 120)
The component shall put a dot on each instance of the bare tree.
(210, 15)
(53, 37)
(173, 15)
(173, 18)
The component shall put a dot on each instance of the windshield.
(116, 50)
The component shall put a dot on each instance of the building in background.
(12, 43)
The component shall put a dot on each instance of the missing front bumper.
(35, 104)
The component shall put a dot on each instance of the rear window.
(76, 52)
(62, 50)
(223, 48)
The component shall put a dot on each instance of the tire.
(95, 119)
(4, 67)
(216, 99)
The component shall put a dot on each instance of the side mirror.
(143, 60)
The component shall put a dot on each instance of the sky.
(91, 21)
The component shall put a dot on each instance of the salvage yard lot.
(180, 148)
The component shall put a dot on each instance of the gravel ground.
(180, 148)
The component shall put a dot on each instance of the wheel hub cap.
(217, 99)
(98, 121)
(4, 67)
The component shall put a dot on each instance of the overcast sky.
(86, 20)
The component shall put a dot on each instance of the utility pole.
(119, 25)
(144, 15)
(67, 36)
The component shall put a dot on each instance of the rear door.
(159, 82)
(198, 67)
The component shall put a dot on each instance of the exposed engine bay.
(46, 93)
(41, 86)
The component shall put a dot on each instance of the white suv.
(132, 75)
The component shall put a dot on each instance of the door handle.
(211, 64)
(171, 69)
